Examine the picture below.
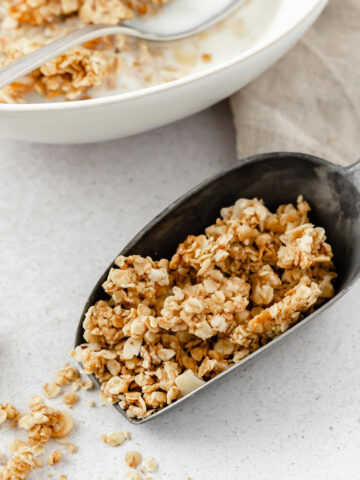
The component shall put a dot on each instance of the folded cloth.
(310, 100)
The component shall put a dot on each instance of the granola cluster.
(41, 422)
(169, 326)
(26, 25)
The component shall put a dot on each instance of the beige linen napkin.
(310, 100)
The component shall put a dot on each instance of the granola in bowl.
(169, 326)
(26, 25)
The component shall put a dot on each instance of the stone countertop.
(65, 212)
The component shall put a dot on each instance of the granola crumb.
(115, 439)
(206, 57)
(70, 447)
(91, 403)
(150, 464)
(51, 390)
(133, 459)
(70, 398)
(63, 477)
(75, 387)
(54, 457)
(87, 384)
(9, 412)
(67, 375)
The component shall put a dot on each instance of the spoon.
(277, 178)
(136, 29)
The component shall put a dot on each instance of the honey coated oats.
(167, 327)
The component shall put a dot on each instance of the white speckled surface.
(64, 214)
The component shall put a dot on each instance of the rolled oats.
(170, 326)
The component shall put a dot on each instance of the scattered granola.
(54, 457)
(70, 398)
(133, 459)
(44, 422)
(150, 464)
(51, 390)
(170, 326)
(21, 463)
(115, 439)
(67, 375)
(8, 412)
(70, 447)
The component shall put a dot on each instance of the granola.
(26, 25)
(44, 422)
(167, 327)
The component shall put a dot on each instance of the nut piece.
(187, 382)
(133, 458)
(115, 439)
(70, 398)
(51, 390)
(54, 457)
(150, 464)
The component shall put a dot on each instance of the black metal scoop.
(333, 193)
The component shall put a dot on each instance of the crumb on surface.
(206, 57)
(54, 457)
(52, 390)
(115, 439)
(70, 398)
(133, 458)
(70, 447)
(150, 464)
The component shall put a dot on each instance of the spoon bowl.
(333, 193)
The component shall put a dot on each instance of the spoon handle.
(30, 62)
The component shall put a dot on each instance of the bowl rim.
(159, 88)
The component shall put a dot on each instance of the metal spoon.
(28, 63)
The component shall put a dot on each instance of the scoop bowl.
(277, 178)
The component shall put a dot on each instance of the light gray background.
(65, 212)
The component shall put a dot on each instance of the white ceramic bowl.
(130, 113)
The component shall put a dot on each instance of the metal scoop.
(277, 178)
(151, 30)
